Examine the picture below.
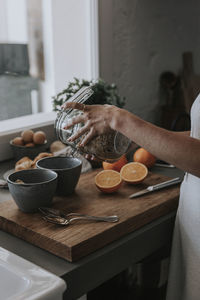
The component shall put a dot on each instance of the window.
(68, 43)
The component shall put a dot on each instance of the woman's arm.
(175, 148)
(184, 132)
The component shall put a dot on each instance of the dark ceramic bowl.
(37, 189)
(68, 170)
(31, 152)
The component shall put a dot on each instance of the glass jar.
(109, 146)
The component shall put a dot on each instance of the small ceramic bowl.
(68, 170)
(32, 188)
(31, 152)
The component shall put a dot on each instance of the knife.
(164, 165)
(156, 187)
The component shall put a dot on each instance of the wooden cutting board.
(83, 237)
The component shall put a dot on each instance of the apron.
(184, 272)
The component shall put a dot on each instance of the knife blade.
(156, 187)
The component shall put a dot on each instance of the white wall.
(3, 21)
(13, 21)
(70, 37)
(141, 39)
(47, 86)
(67, 45)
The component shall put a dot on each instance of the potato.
(39, 137)
(57, 146)
(18, 141)
(27, 136)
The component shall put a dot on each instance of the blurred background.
(150, 49)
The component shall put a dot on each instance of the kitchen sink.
(21, 279)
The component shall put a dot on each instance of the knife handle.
(164, 184)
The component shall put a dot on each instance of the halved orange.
(134, 172)
(108, 181)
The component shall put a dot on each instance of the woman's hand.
(97, 119)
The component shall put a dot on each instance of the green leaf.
(104, 93)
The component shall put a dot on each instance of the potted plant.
(104, 93)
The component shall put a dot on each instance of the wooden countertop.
(82, 238)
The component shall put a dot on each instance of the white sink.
(20, 279)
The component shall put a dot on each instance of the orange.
(116, 166)
(134, 172)
(108, 181)
(143, 156)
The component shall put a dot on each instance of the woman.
(181, 149)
